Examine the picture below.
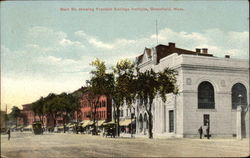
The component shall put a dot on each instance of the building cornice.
(214, 68)
(149, 62)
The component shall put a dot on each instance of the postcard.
(144, 78)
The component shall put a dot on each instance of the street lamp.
(240, 97)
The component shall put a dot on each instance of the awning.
(28, 127)
(90, 123)
(13, 126)
(126, 122)
(87, 123)
(70, 125)
(60, 127)
(109, 123)
(18, 127)
(100, 122)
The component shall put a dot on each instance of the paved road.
(25, 145)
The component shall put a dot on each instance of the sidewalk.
(128, 135)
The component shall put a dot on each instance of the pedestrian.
(208, 131)
(8, 132)
(200, 130)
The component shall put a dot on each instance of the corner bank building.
(213, 92)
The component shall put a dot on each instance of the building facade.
(103, 108)
(28, 117)
(211, 92)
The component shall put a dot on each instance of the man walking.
(200, 130)
(8, 132)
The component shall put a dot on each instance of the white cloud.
(44, 36)
(46, 41)
(68, 43)
(93, 40)
(217, 41)
(100, 44)
(52, 62)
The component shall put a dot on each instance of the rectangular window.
(205, 119)
(171, 121)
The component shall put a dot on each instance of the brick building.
(103, 108)
(28, 117)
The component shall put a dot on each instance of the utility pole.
(6, 116)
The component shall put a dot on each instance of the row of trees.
(53, 106)
(126, 83)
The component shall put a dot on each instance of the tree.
(64, 106)
(68, 104)
(15, 113)
(149, 84)
(52, 106)
(38, 108)
(101, 83)
(123, 87)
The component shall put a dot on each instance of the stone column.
(238, 122)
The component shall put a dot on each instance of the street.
(26, 144)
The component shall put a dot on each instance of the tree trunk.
(150, 121)
(64, 118)
(118, 120)
(115, 116)
(54, 119)
(150, 125)
(94, 132)
(54, 122)
(41, 119)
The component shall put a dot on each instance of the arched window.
(238, 90)
(206, 96)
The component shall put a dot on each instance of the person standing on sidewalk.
(8, 132)
(200, 130)
(208, 132)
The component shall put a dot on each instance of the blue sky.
(46, 50)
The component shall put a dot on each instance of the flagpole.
(6, 116)
(156, 27)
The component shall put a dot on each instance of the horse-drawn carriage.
(109, 130)
(37, 127)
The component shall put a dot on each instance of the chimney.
(198, 50)
(171, 45)
(227, 56)
(204, 50)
